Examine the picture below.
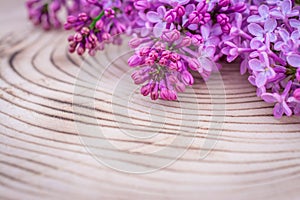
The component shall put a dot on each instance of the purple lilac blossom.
(45, 12)
(267, 46)
(172, 38)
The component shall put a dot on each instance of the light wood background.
(43, 154)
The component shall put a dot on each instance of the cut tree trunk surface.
(77, 128)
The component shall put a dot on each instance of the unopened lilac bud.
(165, 54)
(174, 57)
(134, 42)
(30, 3)
(186, 41)
(197, 39)
(120, 28)
(154, 92)
(223, 3)
(78, 37)
(180, 87)
(54, 6)
(187, 78)
(68, 26)
(70, 38)
(134, 61)
(144, 51)
(73, 44)
(85, 30)
(170, 16)
(153, 54)
(92, 1)
(194, 17)
(164, 93)
(72, 49)
(80, 50)
(141, 5)
(206, 18)
(201, 7)
(180, 11)
(92, 37)
(226, 28)
(110, 13)
(106, 36)
(172, 79)
(172, 95)
(170, 35)
(296, 94)
(193, 64)
(222, 19)
(139, 78)
(149, 61)
(146, 89)
(173, 66)
(88, 45)
(179, 66)
(159, 46)
(128, 9)
(71, 19)
(298, 74)
(92, 52)
(46, 25)
(163, 61)
(99, 24)
(83, 17)
(239, 7)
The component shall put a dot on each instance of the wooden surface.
(46, 134)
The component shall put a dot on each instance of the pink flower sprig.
(268, 43)
(101, 23)
(45, 12)
(172, 38)
(193, 30)
(162, 69)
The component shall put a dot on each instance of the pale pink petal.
(255, 65)
(270, 25)
(153, 17)
(161, 10)
(255, 29)
(261, 79)
(278, 110)
(286, 6)
(205, 31)
(210, 51)
(294, 60)
(158, 29)
(269, 98)
(277, 14)
(254, 19)
(286, 109)
(263, 10)
(294, 23)
(206, 64)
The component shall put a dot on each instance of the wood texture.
(42, 154)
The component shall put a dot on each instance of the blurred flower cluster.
(173, 38)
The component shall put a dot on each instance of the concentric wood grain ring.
(41, 153)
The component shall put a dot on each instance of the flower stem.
(92, 26)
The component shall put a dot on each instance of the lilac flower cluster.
(45, 12)
(101, 22)
(267, 42)
(161, 66)
(173, 38)
(189, 29)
